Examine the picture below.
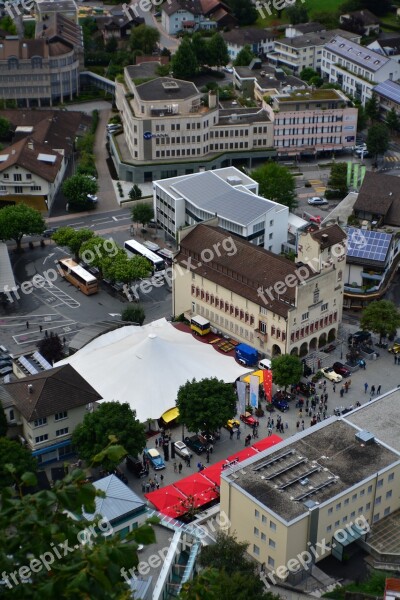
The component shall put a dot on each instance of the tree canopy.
(19, 220)
(381, 317)
(133, 314)
(135, 193)
(144, 38)
(372, 108)
(206, 405)
(276, 183)
(14, 461)
(244, 11)
(286, 369)
(51, 348)
(244, 57)
(297, 14)
(109, 419)
(392, 121)
(378, 139)
(76, 190)
(72, 239)
(5, 127)
(218, 55)
(122, 268)
(338, 177)
(55, 556)
(142, 213)
(184, 61)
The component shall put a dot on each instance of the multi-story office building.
(305, 51)
(169, 130)
(308, 121)
(43, 71)
(355, 68)
(228, 193)
(257, 296)
(319, 490)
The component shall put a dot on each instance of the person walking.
(238, 433)
(187, 459)
(365, 387)
(372, 390)
(27, 324)
(208, 456)
(395, 359)
(378, 391)
(40, 328)
(180, 468)
(231, 434)
(175, 467)
(156, 443)
(162, 478)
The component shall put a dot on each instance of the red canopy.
(165, 497)
(214, 472)
(242, 454)
(267, 442)
(194, 485)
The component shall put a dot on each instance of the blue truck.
(246, 355)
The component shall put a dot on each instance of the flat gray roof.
(166, 88)
(382, 417)
(319, 464)
(209, 192)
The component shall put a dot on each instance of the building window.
(324, 307)
(256, 550)
(257, 514)
(256, 531)
(346, 502)
(61, 432)
(262, 327)
(40, 422)
(272, 526)
(41, 438)
(368, 506)
(330, 510)
(61, 415)
(362, 492)
(369, 489)
(271, 562)
(263, 537)
(338, 506)
(316, 295)
(391, 477)
(337, 523)
(354, 497)
(271, 543)
(329, 528)
(304, 316)
(380, 483)
(263, 519)
(18, 189)
(376, 517)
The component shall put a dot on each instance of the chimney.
(324, 236)
(212, 99)
(30, 388)
(30, 145)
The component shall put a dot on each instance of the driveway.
(106, 192)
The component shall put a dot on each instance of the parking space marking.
(58, 294)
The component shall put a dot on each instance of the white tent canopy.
(145, 366)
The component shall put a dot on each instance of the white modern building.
(355, 68)
(227, 193)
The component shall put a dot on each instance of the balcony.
(261, 335)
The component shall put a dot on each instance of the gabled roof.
(32, 157)
(355, 53)
(53, 391)
(329, 236)
(249, 35)
(245, 272)
(119, 500)
(365, 16)
(377, 193)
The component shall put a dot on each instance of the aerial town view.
(199, 299)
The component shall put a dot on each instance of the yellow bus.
(199, 325)
(78, 276)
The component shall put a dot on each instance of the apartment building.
(261, 41)
(191, 15)
(308, 121)
(355, 68)
(45, 70)
(318, 491)
(44, 409)
(228, 193)
(254, 295)
(170, 131)
(388, 93)
(302, 51)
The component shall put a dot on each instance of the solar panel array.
(42, 361)
(390, 89)
(27, 365)
(369, 245)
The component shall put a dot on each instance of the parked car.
(338, 367)
(5, 362)
(155, 458)
(232, 425)
(362, 152)
(281, 404)
(227, 69)
(359, 337)
(330, 374)
(47, 233)
(6, 371)
(195, 444)
(248, 419)
(208, 438)
(135, 466)
(395, 348)
(182, 450)
(93, 198)
(317, 201)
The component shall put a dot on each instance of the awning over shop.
(51, 448)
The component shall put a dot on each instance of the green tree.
(72, 239)
(134, 314)
(244, 11)
(372, 108)
(109, 419)
(12, 453)
(227, 554)
(244, 57)
(3, 421)
(19, 220)
(76, 189)
(297, 14)
(377, 139)
(8, 24)
(135, 193)
(142, 213)
(276, 183)
(124, 269)
(307, 73)
(218, 51)
(51, 348)
(144, 38)
(206, 405)
(287, 370)
(327, 17)
(184, 61)
(211, 584)
(362, 117)
(96, 249)
(112, 45)
(381, 317)
(316, 81)
(34, 525)
(338, 177)
(200, 48)
(392, 121)
(5, 128)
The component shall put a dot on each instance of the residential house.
(360, 21)
(45, 70)
(259, 80)
(254, 295)
(45, 408)
(300, 29)
(309, 121)
(387, 44)
(305, 51)
(228, 193)
(190, 15)
(169, 130)
(388, 93)
(378, 200)
(355, 68)
(118, 26)
(45, 10)
(261, 41)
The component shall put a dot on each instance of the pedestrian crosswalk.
(392, 158)
(318, 186)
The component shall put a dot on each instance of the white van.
(265, 363)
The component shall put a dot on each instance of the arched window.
(36, 62)
(12, 63)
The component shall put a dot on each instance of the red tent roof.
(165, 497)
(194, 485)
(214, 472)
(267, 442)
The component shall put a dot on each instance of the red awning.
(267, 442)
(165, 497)
(214, 472)
(242, 454)
(194, 485)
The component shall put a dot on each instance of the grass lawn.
(311, 5)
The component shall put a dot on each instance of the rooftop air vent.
(304, 481)
(365, 437)
(324, 236)
(170, 86)
(234, 180)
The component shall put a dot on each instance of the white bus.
(134, 248)
(78, 276)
